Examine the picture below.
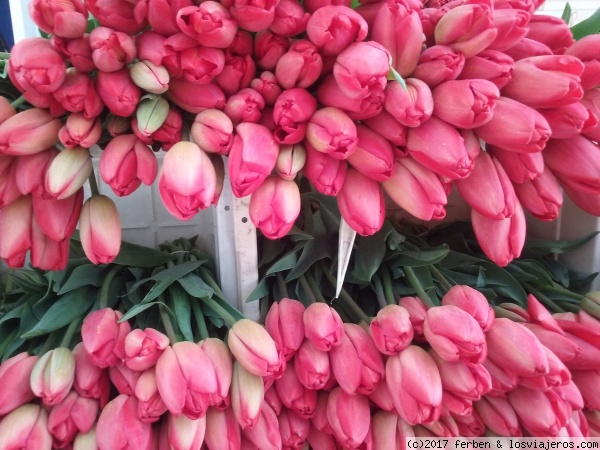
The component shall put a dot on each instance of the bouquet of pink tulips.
(401, 97)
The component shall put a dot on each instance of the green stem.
(228, 318)
(307, 289)
(200, 322)
(18, 102)
(388, 291)
(93, 184)
(543, 299)
(414, 282)
(440, 277)
(164, 317)
(207, 278)
(314, 287)
(345, 299)
(4, 55)
(561, 290)
(105, 289)
(282, 287)
(378, 290)
(68, 337)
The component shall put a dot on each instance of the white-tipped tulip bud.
(68, 172)
(151, 113)
(290, 161)
(150, 77)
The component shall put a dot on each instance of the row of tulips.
(308, 380)
(359, 101)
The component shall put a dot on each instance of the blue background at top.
(6, 24)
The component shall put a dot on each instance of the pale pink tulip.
(290, 161)
(329, 93)
(222, 361)
(290, 18)
(67, 172)
(150, 77)
(222, 430)
(361, 203)
(47, 254)
(73, 415)
(26, 428)
(540, 413)
(254, 348)
(143, 348)
(100, 229)
(28, 132)
(212, 130)
(53, 375)
(462, 379)
(119, 426)
(265, 435)
(80, 131)
(473, 302)
(247, 395)
(15, 225)
(511, 25)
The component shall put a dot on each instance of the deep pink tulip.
(471, 301)
(265, 435)
(254, 348)
(291, 112)
(410, 107)
(290, 161)
(252, 157)
(111, 50)
(417, 313)
(73, 415)
(515, 127)
(290, 18)
(247, 395)
(80, 131)
(556, 76)
(498, 415)
(120, 427)
(552, 31)
(244, 106)
(222, 361)
(77, 51)
(349, 416)
(585, 380)
(417, 189)
(465, 103)
(294, 394)
(429, 17)
(222, 430)
(47, 254)
(90, 380)
(566, 121)
(558, 375)
(361, 203)
(312, 366)
(187, 180)
(200, 65)
(313, 5)
(100, 229)
(415, 385)
(293, 429)
(36, 67)
(162, 14)
(386, 125)
(389, 430)
(374, 156)
(272, 398)
(63, 19)
(325, 172)
(323, 326)
(300, 66)
(15, 387)
(183, 388)
(30, 171)
(540, 413)
(26, 428)
(584, 50)
(125, 163)
(251, 16)
(53, 375)
(284, 322)
(519, 167)
(332, 28)
(268, 48)
(462, 379)
(150, 404)
(104, 337)
(118, 92)
(437, 64)
(511, 25)
(468, 29)
(120, 15)
(424, 141)
(329, 93)
(15, 226)
(144, 347)
(488, 175)
(210, 24)
(28, 132)
(267, 86)
(67, 172)
(490, 65)
(542, 197)
(212, 130)
(6, 109)
(470, 424)
(243, 44)
(527, 47)
(454, 334)
(237, 74)
(391, 329)
(320, 440)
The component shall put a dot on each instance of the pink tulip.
(100, 229)
(104, 337)
(387, 126)
(470, 425)
(585, 201)
(212, 130)
(90, 380)
(222, 361)
(498, 415)
(319, 440)
(319, 420)
(374, 156)
(47, 254)
(64, 19)
(291, 112)
(67, 172)
(15, 226)
(150, 77)
(511, 25)
(119, 426)
(415, 385)
(329, 93)
(187, 180)
(242, 44)
(551, 31)
(540, 413)
(120, 15)
(247, 394)
(293, 429)
(80, 131)
(272, 398)
(30, 171)
(520, 167)
(584, 50)
(111, 50)
(462, 379)
(557, 341)
(515, 127)
(36, 67)
(244, 106)
(567, 121)
(6, 109)
(167, 135)
(558, 78)
(424, 141)
(293, 394)
(210, 24)
(542, 197)
(410, 107)
(300, 66)
(465, 103)
(251, 16)
(252, 158)
(313, 5)
(361, 203)
(200, 65)
(371, 364)
(325, 172)
(125, 163)
(527, 47)
(162, 15)
(222, 430)
(118, 92)
(53, 375)
(467, 29)
(28, 132)
(268, 48)
(25, 428)
(143, 348)
(78, 51)
(558, 375)
(15, 388)
(391, 329)
(347, 367)
(471, 301)
(323, 326)
(490, 65)
(265, 434)
(73, 415)
(194, 97)
(333, 28)
(349, 416)
(254, 348)
(290, 18)
(237, 74)
(312, 366)
(417, 313)
(179, 432)
(150, 404)
(585, 380)
(290, 161)
(285, 325)
(437, 64)
(266, 85)
(417, 190)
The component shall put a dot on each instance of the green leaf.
(288, 261)
(330, 213)
(260, 291)
(195, 286)
(566, 14)
(586, 27)
(544, 246)
(419, 258)
(182, 310)
(165, 278)
(369, 252)
(85, 275)
(136, 310)
(316, 249)
(14, 313)
(504, 283)
(139, 256)
(66, 309)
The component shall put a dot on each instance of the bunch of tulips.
(394, 96)
(307, 380)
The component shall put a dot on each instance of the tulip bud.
(151, 113)
(143, 348)
(552, 31)
(210, 24)
(410, 107)
(117, 125)
(293, 394)
(247, 394)
(150, 77)
(542, 197)
(222, 360)
(244, 106)
(417, 313)
(471, 301)
(119, 426)
(312, 366)
(325, 172)
(290, 18)
(150, 404)
(333, 27)
(15, 226)
(28, 132)
(254, 348)
(349, 429)
(300, 66)
(222, 430)
(284, 323)
(80, 131)
(437, 64)
(212, 130)
(73, 415)
(78, 94)
(68, 172)
(67, 20)
(26, 428)
(15, 387)
(391, 329)
(290, 161)
(53, 375)
(291, 112)
(266, 85)
(374, 156)
(520, 167)
(78, 51)
(265, 435)
(549, 419)
(100, 229)
(118, 92)
(323, 326)
(90, 380)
